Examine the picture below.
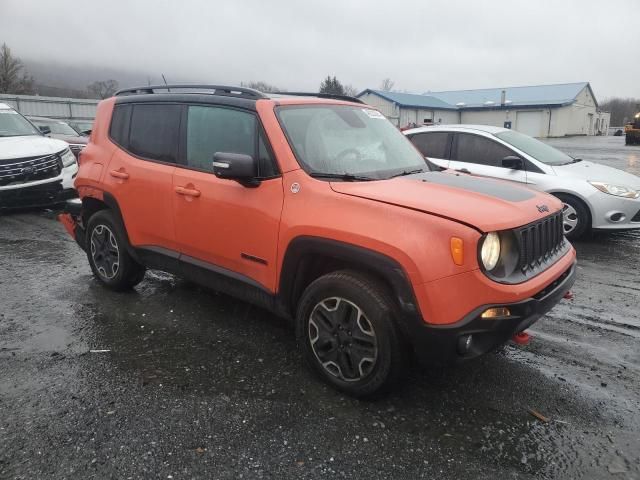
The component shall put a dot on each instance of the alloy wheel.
(569, 218)
(105, 252)
(343, 339)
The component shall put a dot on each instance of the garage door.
(529, 123)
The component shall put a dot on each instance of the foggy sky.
(421, 44)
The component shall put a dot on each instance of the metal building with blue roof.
(537, 110)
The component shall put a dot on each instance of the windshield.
(57, 127)
(341, 139)
(12, 124)
(535, 148)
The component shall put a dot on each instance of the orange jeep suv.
(318, 209)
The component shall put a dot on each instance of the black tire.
(574, 207)
(364, 329)
(107, 253)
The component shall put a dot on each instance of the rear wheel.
(575, 215)
(106, 250)
(348, 335)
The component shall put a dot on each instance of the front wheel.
(106, 250)
(575, 215)
(348, 335)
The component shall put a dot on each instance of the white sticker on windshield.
(373, 113)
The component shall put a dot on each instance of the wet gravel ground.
(198, 385)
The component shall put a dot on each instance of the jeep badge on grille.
(542, 208)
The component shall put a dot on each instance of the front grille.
(23, 170)
(539, 242)
(552, 286)
(636, 217)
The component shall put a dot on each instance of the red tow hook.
(69, 225)
(521, 338)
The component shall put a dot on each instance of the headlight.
(616, 190)
(68, 158)
(490, 251)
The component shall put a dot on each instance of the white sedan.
(595, 196)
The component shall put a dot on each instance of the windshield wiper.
(407, 172)
(345, 177)
(573, 160)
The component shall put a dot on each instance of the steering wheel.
(349, 151)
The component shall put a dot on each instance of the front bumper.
(71, 220)
(445, 344)
(41, 193)
(614, 213)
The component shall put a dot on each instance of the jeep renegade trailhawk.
(319, 209)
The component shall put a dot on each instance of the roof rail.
(223, 90)
(346, 98)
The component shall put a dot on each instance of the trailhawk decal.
(485, 186)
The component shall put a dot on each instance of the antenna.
(165, 82)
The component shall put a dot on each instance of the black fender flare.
(305, 247)
(111, 202)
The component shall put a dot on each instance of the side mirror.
(44, 129)
(236, 166)
(513, 162)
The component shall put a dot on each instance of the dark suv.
(62, 131)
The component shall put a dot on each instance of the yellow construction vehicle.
(632, 131)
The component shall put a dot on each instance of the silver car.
(595, 196)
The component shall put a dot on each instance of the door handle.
(119, 174)
(463, 170)
(189, 192)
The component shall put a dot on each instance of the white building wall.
(408, 116)
(387, 108)
(415, 115)
(446, 117)
(582, 115)
(560, 118)
(495, 118)
(498, 118)
(569, 120)
(418, 116)
(605, 118)
(579, 118)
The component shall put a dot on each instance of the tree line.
(330, 85)
(15, 79)
(622, 109)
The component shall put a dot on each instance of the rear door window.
(155, 131)
(119, 128)
(471, 148)
(433, 144)
(219, 129)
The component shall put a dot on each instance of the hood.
(598, 173)
(76, 139)
(485, 204)
(29, 146)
